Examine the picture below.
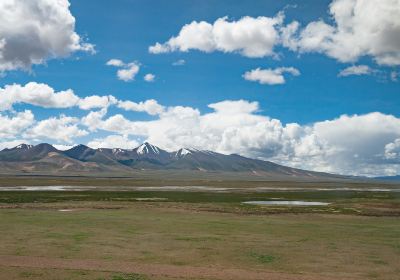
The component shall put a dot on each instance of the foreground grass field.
(189, 235)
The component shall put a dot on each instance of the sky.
(310, 84)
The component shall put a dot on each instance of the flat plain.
(155, 234)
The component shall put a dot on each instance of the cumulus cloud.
(186, 127)
(126, 71)
(43, 95)
(392, 150)
(115, 62)
(32, 32)
(360, 142)
(61, 129)
(93, 119)
(233, 107)
(361, 28)
(270, 76)
(356, 70)
(151, 106)
(251, 37)
(36, 94)
(149, 77)
(357, 144)
(113, 141)
(13, 126)
(95, 101)
(116, 124)
(129, 72)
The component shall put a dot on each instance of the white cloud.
(252, 37)
(45, 96)
(358, 144)
(356, 70)
(113, 141)
(150, 106)
(62, 147)
(115, 62)
(61, 129)
(32, 32)
(36, 94)
(362, 28)
(94, 119)
(127, 71)
(117, 124)
(13, 126)
(270, 76)
(179, 62)
(95, 101)
(392, 150)
(186, 127)
(233, 107)
(149, 77)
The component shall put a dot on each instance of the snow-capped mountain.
(44, 158)
(24, 147)
(182, 153)
(147, 148)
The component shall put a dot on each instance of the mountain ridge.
(80, 159)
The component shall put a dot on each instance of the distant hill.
(82, 160)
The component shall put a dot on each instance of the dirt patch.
(184, 272)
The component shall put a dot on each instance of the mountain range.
(82, 160)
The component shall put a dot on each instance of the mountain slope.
(25, 152)
(207, 160)
(46, 159)
(86, 154)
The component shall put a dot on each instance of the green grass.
(342, 202)
(180, 236)
(169, 178)
(357, 235)
(130, 276)
(263, 258)
(190, 197)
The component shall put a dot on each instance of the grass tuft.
(130, 276)
(262, 258)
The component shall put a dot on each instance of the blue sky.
(125, 30)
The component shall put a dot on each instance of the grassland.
(158, 178)
(114, 235)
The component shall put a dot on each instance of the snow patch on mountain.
(147, 148)
(183, 152)
(117, 151)
(24, 146)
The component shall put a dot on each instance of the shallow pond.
(288, 203)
